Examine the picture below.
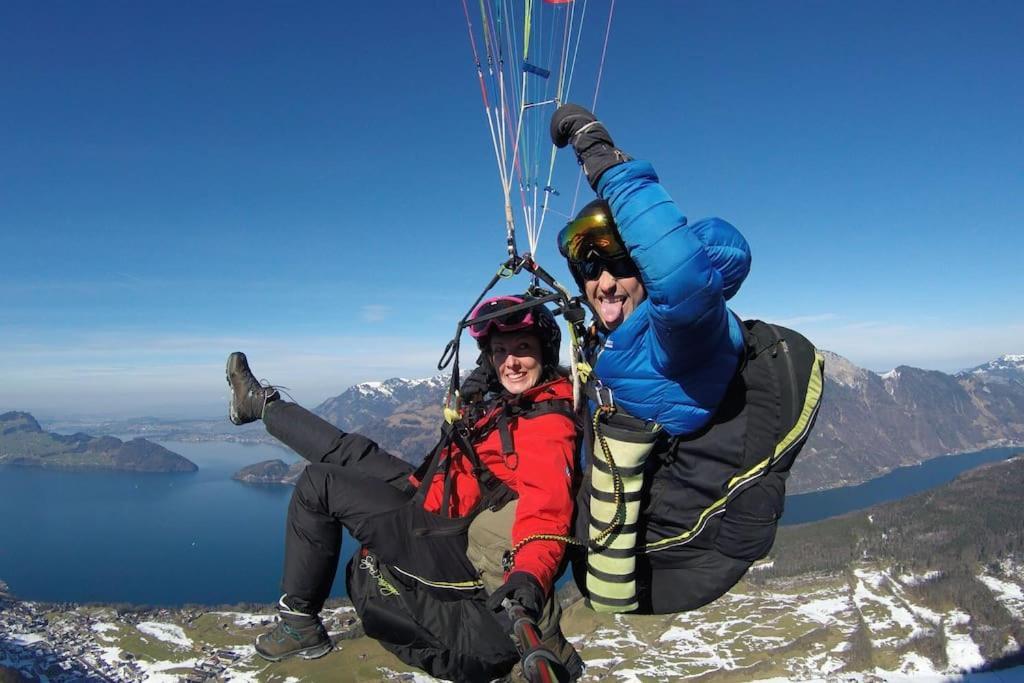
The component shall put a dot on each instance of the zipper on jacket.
(791, 373)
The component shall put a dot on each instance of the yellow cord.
(618, 498)
(452, 414)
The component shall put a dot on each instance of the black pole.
(540, 665)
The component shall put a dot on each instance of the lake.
(161, 539)
(170, 539)
(899, 483)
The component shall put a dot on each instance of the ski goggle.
(591, 235)
(488, 316)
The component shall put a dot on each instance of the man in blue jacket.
(721, 407)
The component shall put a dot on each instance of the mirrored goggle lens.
(590, 235)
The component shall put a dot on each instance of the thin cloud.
(375, 313)
(128, 372)
(799, 320)
(929, 344)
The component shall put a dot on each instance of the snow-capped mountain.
(1009, 368)
(870, 423)
(365, 403)
(402, 415)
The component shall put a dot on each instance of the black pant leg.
(326, 498)
(317, 440)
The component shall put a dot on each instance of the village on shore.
(64, 642)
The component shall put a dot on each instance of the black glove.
(478, 383)
(567, 122)
(595, 150)
(524, 589)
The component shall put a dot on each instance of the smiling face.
(517, 360)
(614, 298)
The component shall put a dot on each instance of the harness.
(494, 493)
(623, 443)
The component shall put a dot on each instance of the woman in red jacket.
(510, 467)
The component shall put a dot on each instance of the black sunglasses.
(590, 268)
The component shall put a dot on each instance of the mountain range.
(868, 424)
(871, 423)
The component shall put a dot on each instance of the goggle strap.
(500, 313)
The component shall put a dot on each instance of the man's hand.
(567, 121)
(476, 385)
(524, 589)
(594, 148)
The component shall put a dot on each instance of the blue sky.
(314, 184)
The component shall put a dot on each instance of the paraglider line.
(604, 51)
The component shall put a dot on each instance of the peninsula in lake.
(270, 472)
(24, 443)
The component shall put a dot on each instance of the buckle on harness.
(601, 392)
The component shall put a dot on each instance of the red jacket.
(540, 472)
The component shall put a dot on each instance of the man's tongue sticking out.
(611, 310)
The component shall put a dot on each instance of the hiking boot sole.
(314, 652)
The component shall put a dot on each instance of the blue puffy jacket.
(671, 360)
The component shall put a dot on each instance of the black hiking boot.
(296, 635)
(249, 398)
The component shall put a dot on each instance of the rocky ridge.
(871, 423)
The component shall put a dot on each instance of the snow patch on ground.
(246, 619)
(824, 610)
(250, 676)
(700, 651)
(1009, 594)
(168, 633)
(155, 672)
(101, 628)
(412, 677)
(877, 593)
(339, 614)
(604, 663)
(110, 655)
(918, 667)
(870, 577)
(824, 663)
(963, 653)
(916, 579)
(26, 638)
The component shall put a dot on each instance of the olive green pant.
(490, 535)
